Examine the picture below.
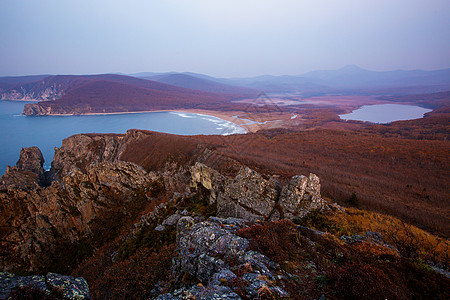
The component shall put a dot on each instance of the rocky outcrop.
(90, 187)
(31, 159)
(36, 109)
(82, 151)
(212, 259)
(50, 286)
(90, 190)
(28, 172)
(253, 197)
(300, 197)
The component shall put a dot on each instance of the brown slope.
(402, 177)
(405, 178)
(110, 96)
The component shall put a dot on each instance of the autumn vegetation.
(329, 267)
(403, 177)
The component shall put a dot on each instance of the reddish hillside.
(115, 93)
(402, 177)
(110, 96)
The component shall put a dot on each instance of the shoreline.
(226, 116)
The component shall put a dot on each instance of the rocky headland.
(196, 224)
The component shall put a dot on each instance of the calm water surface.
(47, 132)
(386, 113)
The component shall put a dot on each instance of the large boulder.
(252, 196)
(300, 197)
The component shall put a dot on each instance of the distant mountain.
(352, 76)
(116, 93)
(48, 88)
(196, 82)
(350, 79)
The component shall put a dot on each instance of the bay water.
(46, 132)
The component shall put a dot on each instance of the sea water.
(386, 113)
(47, 132)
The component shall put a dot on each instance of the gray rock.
(371, 237)
(354, 239)
(184, 225)
(160, 228)
(250, 277)
(209, 251)
(211, 292)
(207, 266)
(300, 197)
(54, 285)
(70, 287)
(253, 197)
(221, 277)
(171, 220)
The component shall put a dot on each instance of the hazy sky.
(221, 37)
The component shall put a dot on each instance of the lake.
(46, 132)
(386, 113)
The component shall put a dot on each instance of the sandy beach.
(227, 116)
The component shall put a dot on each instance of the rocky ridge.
(90, 186)
(133, 208)
(211, 254)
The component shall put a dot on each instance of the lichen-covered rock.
(209, 252)
(248, 196)
(300, 197)
(211, 292)
(253, 197)
(53, 285)
(69, 287)
(222, 277)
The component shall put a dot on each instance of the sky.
(222, 38)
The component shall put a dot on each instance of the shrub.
(353, 200)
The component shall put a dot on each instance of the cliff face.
(25, 93)
(47, 89)
(89, 188)
(92, 186)
(34, 109)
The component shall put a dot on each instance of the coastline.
(226, 116)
